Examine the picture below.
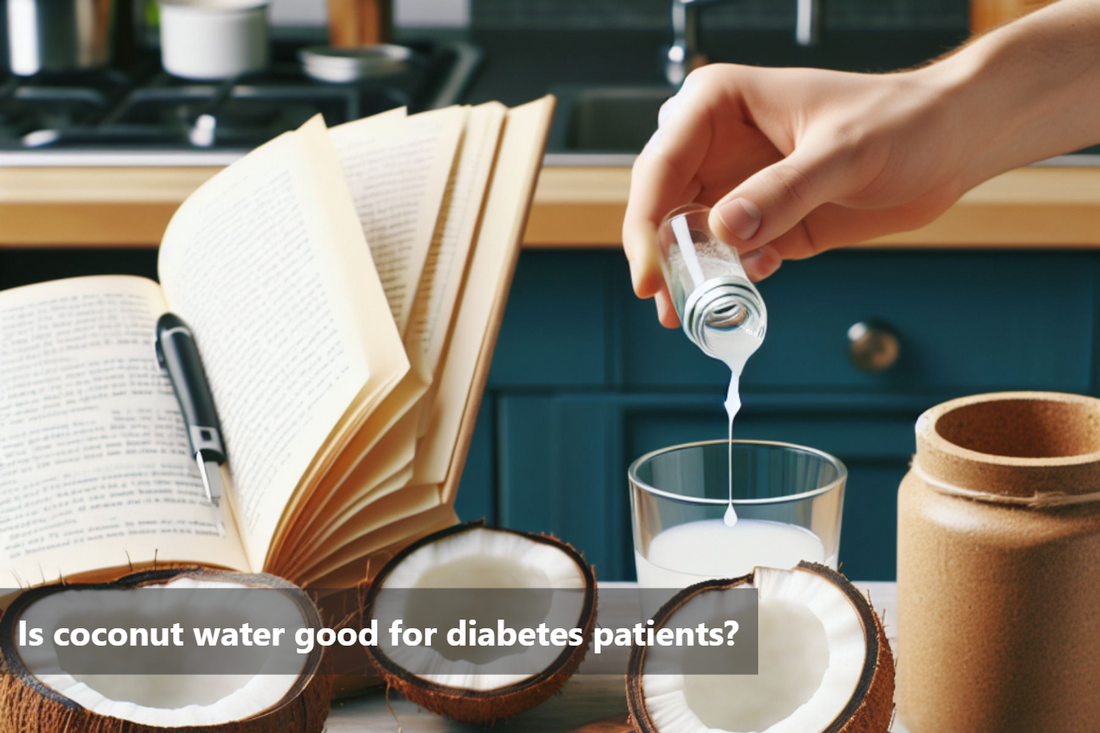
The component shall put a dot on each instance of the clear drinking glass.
(788, 500)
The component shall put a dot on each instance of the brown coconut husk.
(486, 706)
(27, 705)
(871, 706)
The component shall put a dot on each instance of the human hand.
(796, 161)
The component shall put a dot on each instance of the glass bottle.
(720, 310)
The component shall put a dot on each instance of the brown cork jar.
(999, 567)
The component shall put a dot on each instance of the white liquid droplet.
(731, 516)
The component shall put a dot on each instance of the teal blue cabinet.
(584, 380)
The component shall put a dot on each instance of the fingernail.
(754, 261)
(760, 263)
(741, 217)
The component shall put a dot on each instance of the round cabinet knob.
(873, 346)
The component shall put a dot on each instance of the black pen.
(178, 354)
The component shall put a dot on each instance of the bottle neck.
(721, 308)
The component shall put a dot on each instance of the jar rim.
(1016, 444)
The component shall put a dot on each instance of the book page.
(97, 470)
(363, 537)
(347, 476)
(268, 265)
(445, 265)
(392, 454)
(397, 170)
(481, 305)
(391, 509)
(419, 504)
(319, 546)
(380, 546)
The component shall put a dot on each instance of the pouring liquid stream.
(734, 348)
(733, 404)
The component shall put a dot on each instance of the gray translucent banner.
(434, 633)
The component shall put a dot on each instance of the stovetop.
(142, 115)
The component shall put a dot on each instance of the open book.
(345, 288)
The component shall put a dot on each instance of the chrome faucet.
(684, 53)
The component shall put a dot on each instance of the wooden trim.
(88, 225)
(573, 207)
(92, 207)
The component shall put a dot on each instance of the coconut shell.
(871, 706)
(485, 706)
(27, 705)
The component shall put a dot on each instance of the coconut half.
(38, 693)
(483, 684)
(825, 665)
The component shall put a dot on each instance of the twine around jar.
(1038, 500)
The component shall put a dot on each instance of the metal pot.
(58, 35)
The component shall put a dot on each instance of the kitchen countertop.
(584, 699)
(575, 206)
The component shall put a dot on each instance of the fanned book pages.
(345, 288)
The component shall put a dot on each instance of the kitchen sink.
(607, 122)
(605, 119)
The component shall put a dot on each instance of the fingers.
(664, 177)
(762, 262)
(666, 314)
(776, 199)
(832, 225)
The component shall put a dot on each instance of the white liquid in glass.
(694, 551)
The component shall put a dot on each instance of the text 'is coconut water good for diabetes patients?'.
(722, 312)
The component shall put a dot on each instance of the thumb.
(776, 198)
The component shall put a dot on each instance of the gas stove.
(143, 116)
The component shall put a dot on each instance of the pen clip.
(205, 478)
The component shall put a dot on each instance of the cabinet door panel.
(560, 472)
(557, 327)
(477, 496)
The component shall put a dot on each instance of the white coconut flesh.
(490, 559)
(164, 700)
(812, 651)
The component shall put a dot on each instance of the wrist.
(1024, 91)
(976, 113)
(955, 120)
